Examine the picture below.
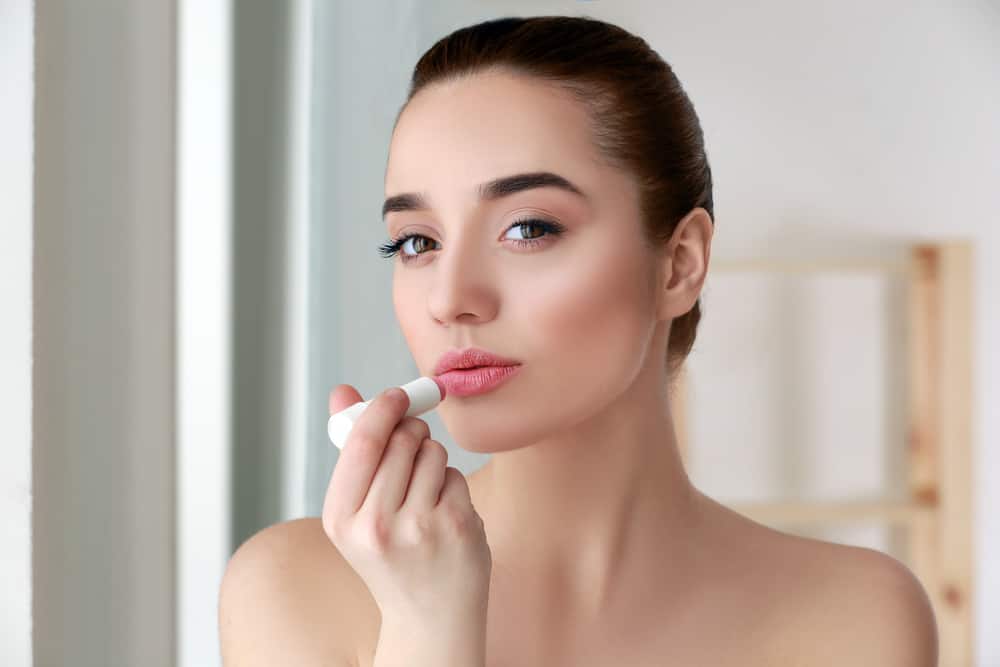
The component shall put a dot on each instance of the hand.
(404, 520)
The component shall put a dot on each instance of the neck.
(590, 510)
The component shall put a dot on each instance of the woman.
(549, 201)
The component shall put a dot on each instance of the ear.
(684, 264)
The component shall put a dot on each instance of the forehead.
(456, 135)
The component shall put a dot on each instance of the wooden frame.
(937, 512)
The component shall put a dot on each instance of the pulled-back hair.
(642, 120)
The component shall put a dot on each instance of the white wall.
(16, 64)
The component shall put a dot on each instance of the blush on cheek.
(594, 330)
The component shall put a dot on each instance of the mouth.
(476, 380)
(473, 370)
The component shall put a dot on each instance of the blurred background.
(190, 197)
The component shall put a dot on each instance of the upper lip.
(469, 358)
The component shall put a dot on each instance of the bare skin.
(752, 596)
(603, 551)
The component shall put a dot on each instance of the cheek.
(583, 328)
(409, 299)
(595, 317)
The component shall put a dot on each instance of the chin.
(494, 433)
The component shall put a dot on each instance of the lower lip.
(475, 381)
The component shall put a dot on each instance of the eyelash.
(391, 248)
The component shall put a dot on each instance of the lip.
(472, 371)
(476, 381)
(470, 357)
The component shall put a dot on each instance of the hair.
(642, 120)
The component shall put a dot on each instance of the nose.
(463, 289)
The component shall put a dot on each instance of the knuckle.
(402, 439)
(454, 477)
(417, 426)
(361, 440)
(393, 398)
(374, 532)
(417, 528)
(335, 519)
(333, 527)
(460, 521)
(434, 449)
(439, 449)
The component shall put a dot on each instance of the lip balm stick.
(425, 393)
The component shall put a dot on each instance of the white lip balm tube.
(425, 393)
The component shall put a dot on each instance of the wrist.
(452, 625)
(441, 642)
(461, 615)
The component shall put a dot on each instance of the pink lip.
(475, 381)
(470, 357)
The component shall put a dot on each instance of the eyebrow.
(489, 191)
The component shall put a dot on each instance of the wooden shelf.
(809, 266)
(937, 514)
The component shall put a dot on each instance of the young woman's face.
(576, 308)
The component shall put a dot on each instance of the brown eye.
(420, 243)
(395, 246)
(533, 231)
(531, 225)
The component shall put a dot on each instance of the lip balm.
(425, 393)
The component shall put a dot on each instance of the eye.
(537, 225)
(531, 230)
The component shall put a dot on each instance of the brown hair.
(642, 120)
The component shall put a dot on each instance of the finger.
(455, 488)
(388, 488)
(359, 459)
(342, 396)
(428, 475)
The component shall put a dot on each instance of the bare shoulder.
(867, 607)
(836, 604)
(289, 597)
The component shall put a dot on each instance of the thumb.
(342, 396)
